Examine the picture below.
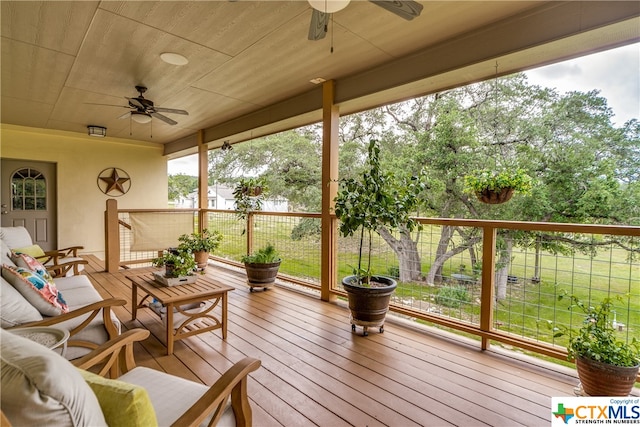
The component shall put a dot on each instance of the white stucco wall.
(79, 159)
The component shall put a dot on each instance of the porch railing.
(496, 280)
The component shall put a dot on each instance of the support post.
(203, 182)
(488, 281)
(330, 117)
(111, 236)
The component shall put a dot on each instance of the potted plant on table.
(262, 267)
(496, 187)
(364, 205)
(179, 266)
(606, 365)
(201, 244)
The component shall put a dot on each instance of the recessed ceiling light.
(174, 58)
(317, 80)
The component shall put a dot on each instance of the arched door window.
(28, 190)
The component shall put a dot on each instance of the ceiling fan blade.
(318, 26)
(138, 104)
(171, 110)
(407, 9)
(106, 105)
(125, 115)
(164, 118)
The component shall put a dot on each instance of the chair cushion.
(36, 289)
(15, 310)
(5, 256)
(40, 387)
(122, 404)
(16, 237)
(33, 250)
(163, 389)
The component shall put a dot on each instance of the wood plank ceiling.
(250, 62)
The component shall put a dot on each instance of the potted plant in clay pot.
(262, 267)
(201, 244)
(179, 266)
(606, 365)
(365, 205)
(494, 187)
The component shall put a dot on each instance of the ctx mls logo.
(564, 413)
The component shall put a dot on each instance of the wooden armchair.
(139, 397)
(213, 402)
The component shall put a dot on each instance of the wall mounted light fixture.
(97, 131)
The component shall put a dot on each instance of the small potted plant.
(179, 266)
(262, 267)
(364, 205)
(201, 244)
(606, 365)
(496, 187)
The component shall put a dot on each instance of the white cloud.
(615, 73)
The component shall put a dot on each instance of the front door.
(28, 198)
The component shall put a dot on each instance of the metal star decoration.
(114, 180)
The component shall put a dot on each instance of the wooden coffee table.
(206, 290)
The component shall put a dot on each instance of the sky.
(615, 73)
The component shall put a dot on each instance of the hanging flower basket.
(495, 197)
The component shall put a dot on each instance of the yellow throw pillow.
(33, 250)
(122, 404)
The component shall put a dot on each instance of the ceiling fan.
(322, 10)
(142, 109)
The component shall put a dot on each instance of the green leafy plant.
(249, 194)
(496, 180)
(452, 296)
(596, 339)
(207, 241)
(179, 260)
(266, 255)
(376, 199)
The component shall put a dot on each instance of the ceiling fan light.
(141, 118)
(97, 131)
(328, 6)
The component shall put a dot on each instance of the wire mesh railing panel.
(234, 243)
(297, 239)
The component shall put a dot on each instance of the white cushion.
(171, 396)
(5, 256)
(39, 387)
(14, 308)
(15, 237)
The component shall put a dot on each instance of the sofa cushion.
(5, 255)
(15, 310)
(40, 292)
(40, 387)
(16, 237)
(162, 392)
(33, 250)
(122, 404)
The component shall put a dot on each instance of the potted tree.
(496, 187)
(262, 267)
(201, 244)
(606, 365)
(179, 266)
(364, 205)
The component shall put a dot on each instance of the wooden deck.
(315, 371)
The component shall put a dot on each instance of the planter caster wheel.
(250, 289)
(353, 328)
(382, 329)
(365, 333)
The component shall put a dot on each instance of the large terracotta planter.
(261, 275)
(369, 305)
(602, 379)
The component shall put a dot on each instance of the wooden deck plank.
(315, 371)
